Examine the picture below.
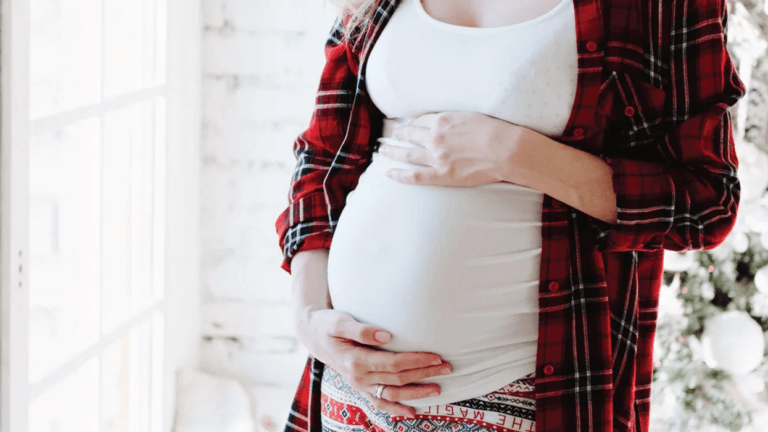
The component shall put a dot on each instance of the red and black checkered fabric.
(655, 84)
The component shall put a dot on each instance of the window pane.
(65, 55)
(132, 33)
(162, 40)
(69, 406)
(126, 382)
(158, 365)
(64, 179)
(127, 212)
(158, 263)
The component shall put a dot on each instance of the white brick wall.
(261, 66)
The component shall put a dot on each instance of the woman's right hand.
(349, 347)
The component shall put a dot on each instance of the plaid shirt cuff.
(639, 226)
(315, 240)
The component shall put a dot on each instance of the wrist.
(512, 142)
(303, 324)
(303, 315)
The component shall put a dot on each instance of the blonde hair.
(355, 14)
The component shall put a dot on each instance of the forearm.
(572, 176)
(310, 283)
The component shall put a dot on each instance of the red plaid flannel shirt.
(655, 84)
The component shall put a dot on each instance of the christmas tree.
(710, 365)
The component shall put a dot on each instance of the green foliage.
(700, 390)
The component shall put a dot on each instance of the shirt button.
(553, 286)
(548, 370)
(578, 132)
(629, 111)
(591, 46)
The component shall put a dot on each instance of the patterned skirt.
(510, 408)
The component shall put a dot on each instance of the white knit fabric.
(455, 270)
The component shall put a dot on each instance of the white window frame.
(180, 305)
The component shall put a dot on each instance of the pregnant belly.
(449, 270)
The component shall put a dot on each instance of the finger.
(407, 376)
(409, 155)
(423, 176)
(348, 328)
(393, 408)
(408, 392)
(387, 361)
(413, 133)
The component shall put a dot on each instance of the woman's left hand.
(461, 148)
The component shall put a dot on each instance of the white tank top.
(455, 270)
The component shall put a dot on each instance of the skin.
(461, 149)
(350, 347)
(464, 148)
(486, 13)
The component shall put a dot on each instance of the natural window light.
(90, 118)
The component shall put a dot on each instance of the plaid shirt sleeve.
(308, 221)
(682, 191)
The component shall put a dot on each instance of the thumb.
(364, 333)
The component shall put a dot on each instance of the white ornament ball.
(733, 341)
(739, 242)
(678, 261)
(761, 279)
(757, 218)
(750, 383)
(759, 303)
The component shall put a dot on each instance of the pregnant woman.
(481, 203)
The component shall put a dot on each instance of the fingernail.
(433, 393)
(436, 362)
(382, 336)
(446, 370)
